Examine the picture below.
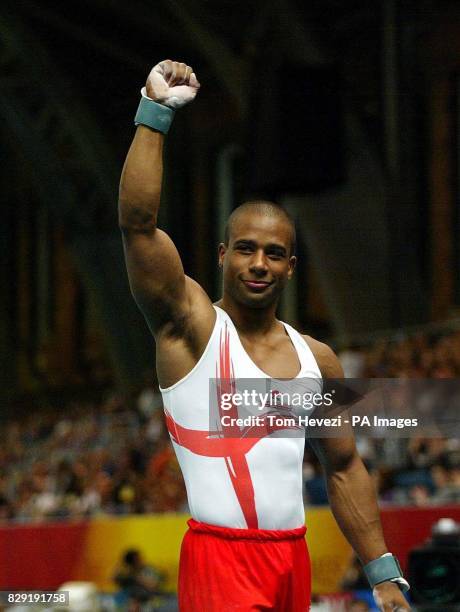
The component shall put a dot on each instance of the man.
(138, 580)
(245, 549)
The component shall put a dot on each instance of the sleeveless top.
(253, 483)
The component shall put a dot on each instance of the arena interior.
(346, 113)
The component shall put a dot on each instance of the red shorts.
(243, 570)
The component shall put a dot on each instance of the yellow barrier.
(159, 537)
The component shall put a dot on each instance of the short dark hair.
(264, 207)
(131, 556)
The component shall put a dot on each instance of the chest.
(276, 357)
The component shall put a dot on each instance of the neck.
(249, 320)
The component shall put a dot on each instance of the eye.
(274, 255)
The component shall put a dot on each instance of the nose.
(258, 264)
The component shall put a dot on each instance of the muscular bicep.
(335, 454)
(156, 276)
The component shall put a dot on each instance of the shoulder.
(327, 360)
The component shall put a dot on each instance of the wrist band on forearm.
(385, 568)
(154, 115)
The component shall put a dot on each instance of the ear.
(222, 251)
(292, 263)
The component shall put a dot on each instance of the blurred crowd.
(91, 458)
(416, 355)
(113, 456)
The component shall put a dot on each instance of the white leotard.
(251, 483)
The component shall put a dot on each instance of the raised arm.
(156, 276)
(351, 493)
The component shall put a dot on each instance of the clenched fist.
(172, 84)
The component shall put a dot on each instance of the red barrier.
(39, 556)
(408, 528)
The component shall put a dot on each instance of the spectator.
(139, 581)
(449, 492)
(355, 578)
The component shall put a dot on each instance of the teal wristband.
(383, 569)
(154, 115)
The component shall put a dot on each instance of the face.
(257, 261)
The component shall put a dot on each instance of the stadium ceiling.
(109, 44)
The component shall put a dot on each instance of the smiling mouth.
(256, 285)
